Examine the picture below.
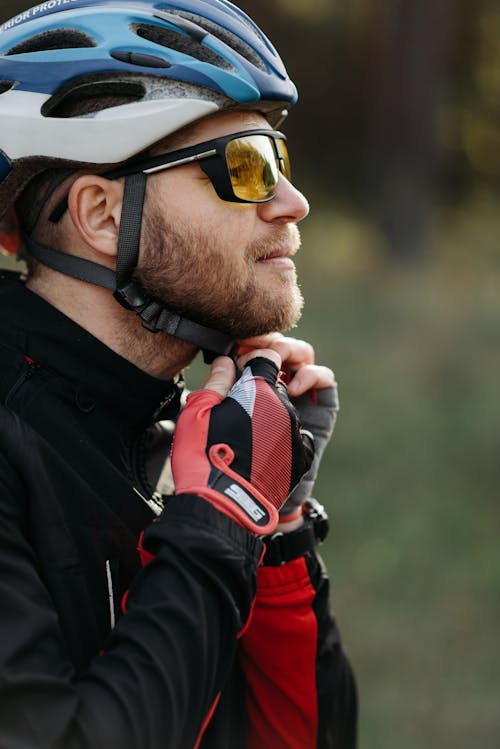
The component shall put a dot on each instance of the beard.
(215, 286)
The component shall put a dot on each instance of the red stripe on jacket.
(278, 654)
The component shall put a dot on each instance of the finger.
(246, 345)
(264, 352)
(293, 351)
(311, 377)
(260, 341)
(222, 376)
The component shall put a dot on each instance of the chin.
(285, 318)
(247, 311)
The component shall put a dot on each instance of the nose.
(287, 206)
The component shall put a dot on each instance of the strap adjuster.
(315, 511)
(283, 547)
(131, 296)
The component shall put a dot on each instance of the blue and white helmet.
(169, 63)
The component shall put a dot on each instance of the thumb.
(222, 376)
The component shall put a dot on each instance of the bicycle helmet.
(169, 63)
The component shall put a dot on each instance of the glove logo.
(245, 501)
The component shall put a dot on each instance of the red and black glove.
(244, 453)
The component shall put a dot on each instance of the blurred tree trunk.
(409, 51)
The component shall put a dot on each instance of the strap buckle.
(283, 547)
(130, 296)
(316, 513)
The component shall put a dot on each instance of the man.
(157, 217)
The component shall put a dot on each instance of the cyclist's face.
(225, 264)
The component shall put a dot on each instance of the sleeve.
(164, 663)
(301, 692)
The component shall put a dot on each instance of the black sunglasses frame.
(211, 155)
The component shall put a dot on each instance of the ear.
(95, 205)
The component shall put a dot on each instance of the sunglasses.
(243, 167)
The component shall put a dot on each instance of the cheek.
(232, 238)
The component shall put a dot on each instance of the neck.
(96, 310)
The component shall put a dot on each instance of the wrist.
(285, 545)
(287, 525)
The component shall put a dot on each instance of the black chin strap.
(69, 265)
(129, 238)
(155, 316)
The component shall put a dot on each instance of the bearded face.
(210, 275)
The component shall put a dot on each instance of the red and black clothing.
(97, 650)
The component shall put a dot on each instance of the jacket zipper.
(31, 368)
(155, 504)
(164, 403)
(111, 595)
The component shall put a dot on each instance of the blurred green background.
(396, 140)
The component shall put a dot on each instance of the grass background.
(412, 474)
(411, 479)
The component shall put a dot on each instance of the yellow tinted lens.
(285, 160)
(253, 167)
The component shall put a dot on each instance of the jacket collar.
(93, 373)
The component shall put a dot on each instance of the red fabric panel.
(278, 654)
(9, 243)
(273, 451)
(9, 233)
(190, 465)
(144, 555)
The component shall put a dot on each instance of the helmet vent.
(50, 40)
(91, 96)
(5, 86)
(232, 41)
(180, 43)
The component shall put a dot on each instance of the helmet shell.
(171, 63)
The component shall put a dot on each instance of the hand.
(238, 444)
(313, 391)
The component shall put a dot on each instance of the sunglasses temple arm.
(181, 162)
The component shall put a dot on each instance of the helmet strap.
(129, 237)
(155, 316)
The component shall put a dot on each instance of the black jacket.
(81, 450)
